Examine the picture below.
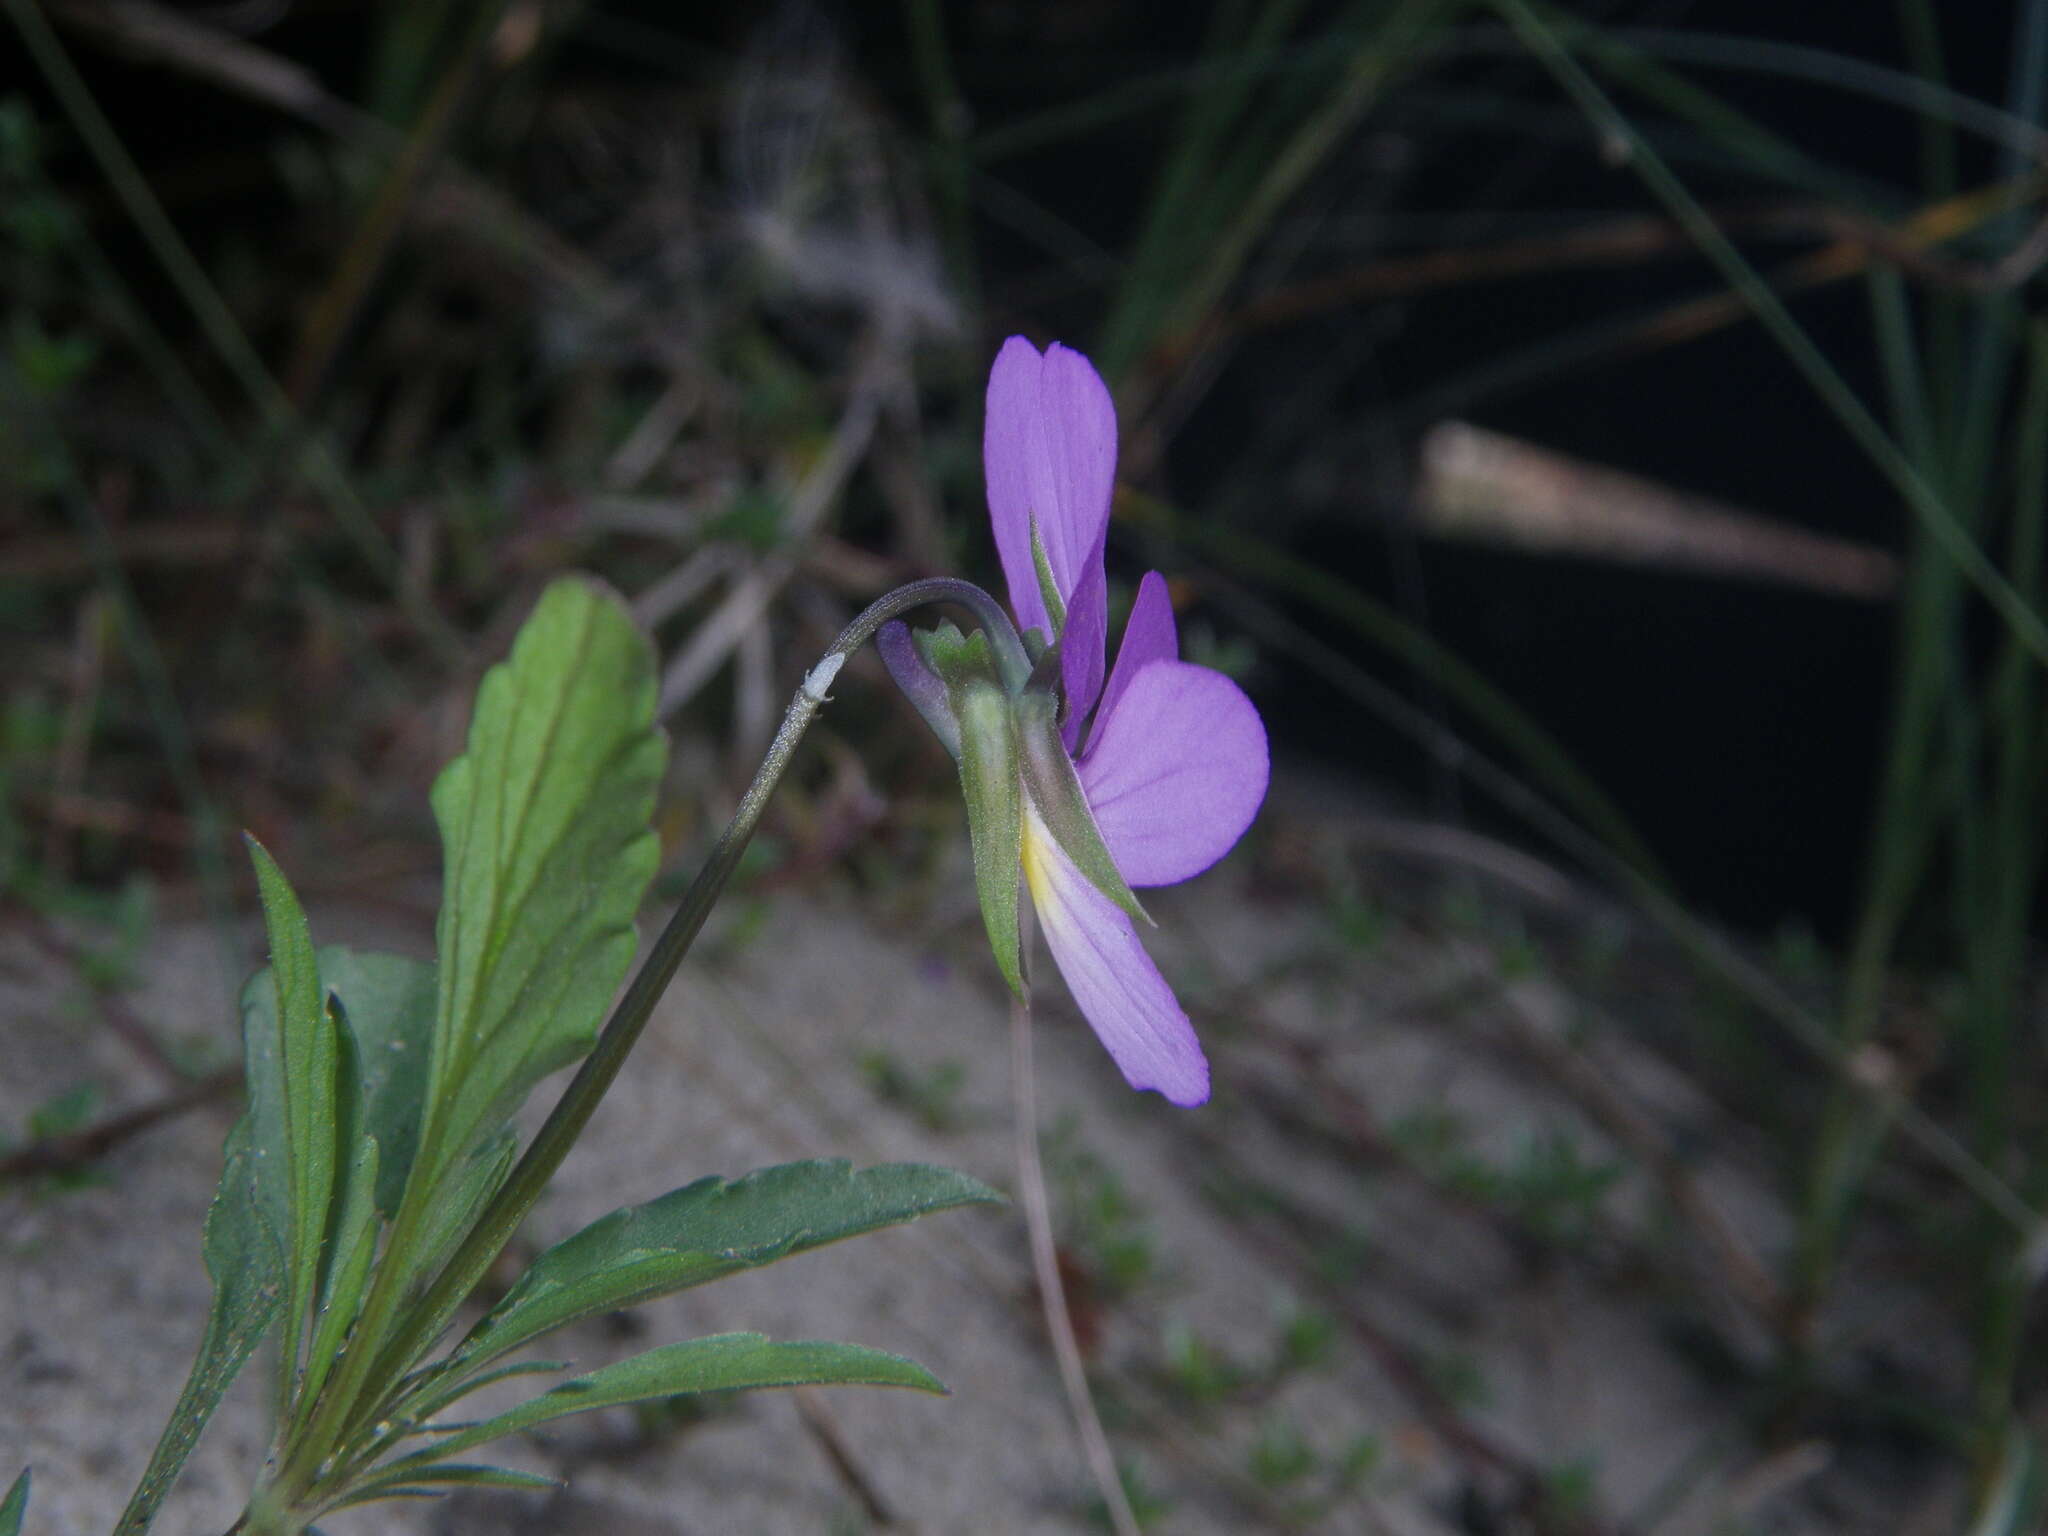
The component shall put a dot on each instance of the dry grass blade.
(1481, 485)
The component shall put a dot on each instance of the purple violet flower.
(1173, 765)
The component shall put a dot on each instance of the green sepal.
(958, 659)
(989, 783)
(1047, 679)
(995, 819)
(1061, 803)
(1048, 589)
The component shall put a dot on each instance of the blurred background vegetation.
(1614, 431)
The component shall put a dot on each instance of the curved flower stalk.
(1086, 785)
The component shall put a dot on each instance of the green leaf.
(352, 1246)
(245, 1255)
(423, 1481)
(386, 1004)
(462, 1193)
(547, 852)
(14, 1507)
(387, 1008)
(725, 1362)
(309, 1049)
(705, 1231)
(446, 1381)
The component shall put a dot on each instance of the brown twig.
(175, 542)
(1527, 1488)
(76, 1149)
(1854, 242)
(119, 1017)
(1746, 1275)
(822, 1428)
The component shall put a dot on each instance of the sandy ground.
(1557, 1370)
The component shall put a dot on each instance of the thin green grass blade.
(1929, 509)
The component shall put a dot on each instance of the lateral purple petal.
(1114, 982)
(1049, 450)
(1175, 772)
(1082, 648)
(1149, 636)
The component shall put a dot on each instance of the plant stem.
(360, 1401)
(1045, 1265)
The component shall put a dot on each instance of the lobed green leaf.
(547, 852)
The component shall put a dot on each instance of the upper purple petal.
(1048, 450)
(1175, 771)
(1114, 982)
(1149, 636)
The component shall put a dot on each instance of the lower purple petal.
(1175, 771)
(1114, 982)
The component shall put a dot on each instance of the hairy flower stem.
(340, 1421)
